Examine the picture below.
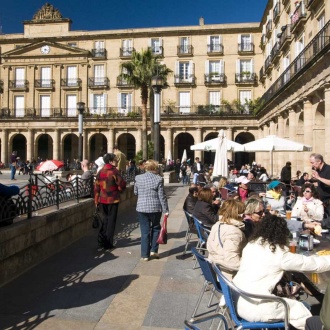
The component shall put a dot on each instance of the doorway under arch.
(45, 147)
(19, 145)
(97, 146)
(242, 158)
(70, 147)
(127, 144)
(182, 142)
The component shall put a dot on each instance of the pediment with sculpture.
(47, 13)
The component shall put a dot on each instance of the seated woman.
(203, 209)
(274, 196)
(227, 239)
(223, 183)
(263, 175)
(254, 211)
(264, 260)
(191, 199)
(308, 206)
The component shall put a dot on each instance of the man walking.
(12, 165)
(108, 186)
(321, 173)
(121, 157)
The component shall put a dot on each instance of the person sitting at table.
(264, 260)
(303, 179)
(263, 175)
(243, 191)
(308, 206)
(254, 211)
(226, 240)
(223, 183)
(274, 196)
(203, 209)
(191, 199)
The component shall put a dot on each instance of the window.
(245, 42)
(321, 22)
(98, 104)
(244, 97)
(45, 105)
(19, 106)
(99, 48)
(184, 45)
(213, 70)
(184, 72)
(184, 102)
(127, 47)
(19, 77)
(99, 74)
(286, 63)
(71, 74)
(71, 104)
(299, 59)
(156, 45)
(214, 44)
(124, 103)
(214, 99)
(45, 75)
(244, 67)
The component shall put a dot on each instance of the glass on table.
(288, 214)
(293, 246)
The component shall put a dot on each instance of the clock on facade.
(45, 49)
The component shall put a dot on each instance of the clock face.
(45, 49)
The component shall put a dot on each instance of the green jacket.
(325, 310)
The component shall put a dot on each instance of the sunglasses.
(260, 213)
(308, 191)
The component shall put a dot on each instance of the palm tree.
(138, 72)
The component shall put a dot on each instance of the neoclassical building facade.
(219, 72)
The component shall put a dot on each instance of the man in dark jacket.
(286, 175)
(191, 200)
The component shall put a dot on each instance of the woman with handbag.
(264, 260)
(151, 203)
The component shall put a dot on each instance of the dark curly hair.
(311, 187)
(273, 230)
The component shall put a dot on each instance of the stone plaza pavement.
(83, 287)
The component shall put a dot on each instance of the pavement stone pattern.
(85, 288)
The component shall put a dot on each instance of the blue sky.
(122, 14)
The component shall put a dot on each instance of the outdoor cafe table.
(318, 280)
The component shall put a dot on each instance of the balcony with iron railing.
(246, 48)
(122, 82)
(298, 18)
(268, 28)
(285, 37)
(157, 50)
(100, 53)
(263, 41)
(126, 52)
(268, 64)
(245, 78)
(71, 83)
(276, 12)
(187, 80)
(310, 4)
(262, 74)
(316, 48)
(214, 49)
(185, 50)
(19, 85)
(44, 83)
(214, 79)
(275, 52)
(98, 82)
(285, 2)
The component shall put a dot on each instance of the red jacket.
(108, 185)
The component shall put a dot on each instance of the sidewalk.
(84, 288)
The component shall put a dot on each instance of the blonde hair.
(222, 182)
(231, 209)
(151, 165)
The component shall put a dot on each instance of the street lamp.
(81, 109)
(157, 84)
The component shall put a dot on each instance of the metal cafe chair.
(202, 235)
(190, 222)
(231, 293)
(190, 325)
(210, 280)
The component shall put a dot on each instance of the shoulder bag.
(162, 238)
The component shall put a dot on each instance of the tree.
(138, 72)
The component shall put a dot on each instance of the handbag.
(287, 288)
(96, 218)
(162, 238)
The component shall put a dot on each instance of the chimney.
(201, 21)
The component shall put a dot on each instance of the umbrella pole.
(271, 162)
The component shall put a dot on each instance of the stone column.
(303, 164)
(229, 136)
(29, 145)
(292, 135)
(168, 143)
(4, 146)
(199, 140)
(111, 139)
(280, 133)
(326, 125)
(139, 140)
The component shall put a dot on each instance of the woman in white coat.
(308, 206)
(264, 260)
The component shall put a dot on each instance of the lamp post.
(157, 84)
(81, 109)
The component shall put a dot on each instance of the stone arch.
(162, 154)
(210, 155)
(242, 158)
(319, 129)
(43, 146)
(181, 142)
(97, 146)
(70, 147)
(18, 143)
(127, 144)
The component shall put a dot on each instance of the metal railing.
(184, 80)
(42, 192)
(71, 82)
(157, 50)
(245, 78)
(126, 51)
(44, 83)
(98, 82)
(319, 45)
(99, 52)
(215, 49)
(247, 47)
(216, 78)
(185, 50)
(276, 11)
(18, 84)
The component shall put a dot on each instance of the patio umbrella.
(50, 165)
(184, 156)
(220, 162)
(273, 143)
(212, 144)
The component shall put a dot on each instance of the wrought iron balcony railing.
(263, 41)
(315, 49)
(71, 82)
(268, 27)
(309, 4)
(122, 82)
(276, 11)
(275, 52)
(285, 36)
(215, 49)
(157, 50)
(187, 80)
(298, 16)
(44, 83)
(99, 53)
(18, 84)
(246, 48)
(126, 52)
(245, 78)
(262, 74)
(215, 79)
(268, 63)
(98, 82)
(185, 50)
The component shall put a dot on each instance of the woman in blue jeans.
(151, 203)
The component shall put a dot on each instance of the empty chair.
(202, 233)
(189, 233)
(231, 293)
(210, 280)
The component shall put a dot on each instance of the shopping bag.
(96, 219)
(162, 238)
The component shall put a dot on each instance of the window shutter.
(129, 102)
(209, 41)
(239, 38)
(150, 43)
(220, 40)
(207, 67)
(119, 100)
(251, 38)
(238, 66)
(222, 66)
(252, 66)
(105, 102)
(177, 67)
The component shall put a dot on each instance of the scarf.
(274, 194)
(304, 200)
